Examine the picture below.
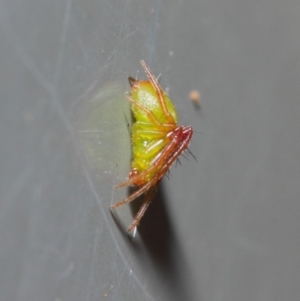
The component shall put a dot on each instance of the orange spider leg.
(185, 141)
(133, 196)
(158, 89)
(143, 209)
(176, 151)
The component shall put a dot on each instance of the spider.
(157, 140)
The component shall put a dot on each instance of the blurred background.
(223, 227)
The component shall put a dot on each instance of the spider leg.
(177, 151)
(159, 92)
(134, 195)
(123, 184)
(143, 209)
(190, 152)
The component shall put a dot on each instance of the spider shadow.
(160, 240)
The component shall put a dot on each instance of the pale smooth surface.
(224, 227)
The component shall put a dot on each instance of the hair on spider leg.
(158, 78)
(167, 174)
(190, 152)
(177, 162)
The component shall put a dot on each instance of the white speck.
(134, 232)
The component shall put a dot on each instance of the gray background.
(224, 227)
